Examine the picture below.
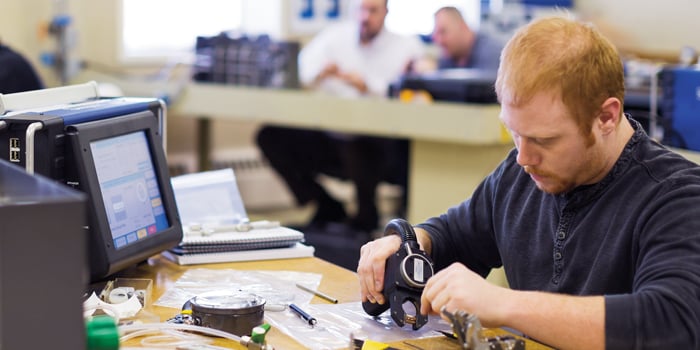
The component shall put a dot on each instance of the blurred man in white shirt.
(353, 59)
(360, 57)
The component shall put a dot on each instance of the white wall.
(647, 25)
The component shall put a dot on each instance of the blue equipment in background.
(680, 103)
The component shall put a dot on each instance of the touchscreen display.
(129, 187)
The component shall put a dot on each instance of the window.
(164, 28)
(416, 16)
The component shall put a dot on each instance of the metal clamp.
(467, 330)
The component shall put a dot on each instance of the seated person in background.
(353, 59)
(461, 47)
(595, 223)
(358, 58)
(16, 73)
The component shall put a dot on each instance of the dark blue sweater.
(634, 237)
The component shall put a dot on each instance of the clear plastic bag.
(336, 322)
(278, 288)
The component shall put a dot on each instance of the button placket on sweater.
(559, 237)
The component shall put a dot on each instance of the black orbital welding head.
(405, 276)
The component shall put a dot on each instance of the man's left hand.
(458, 288)
(355, 80)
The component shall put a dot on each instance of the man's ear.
(610, 114)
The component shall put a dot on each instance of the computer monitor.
(120, 164)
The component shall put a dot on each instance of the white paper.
(210, 197)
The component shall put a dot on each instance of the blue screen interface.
(129, 187)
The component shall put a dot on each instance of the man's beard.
(365, 34)
(555, 184)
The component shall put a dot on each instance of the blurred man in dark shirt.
(462, 47)
(16, 73)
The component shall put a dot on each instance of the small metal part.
(227, 310)
(467, 330)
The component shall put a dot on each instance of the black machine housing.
(45, 144)
(104, 256)
(405, 276)
(462, 85)
(55, 141)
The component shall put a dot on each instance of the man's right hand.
(370, 269)
(329, 70)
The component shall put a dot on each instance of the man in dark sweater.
(595, 224)
(16, 73)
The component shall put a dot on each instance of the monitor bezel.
(104, 258)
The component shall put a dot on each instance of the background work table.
(453, 145)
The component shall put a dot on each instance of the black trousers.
(299, 155)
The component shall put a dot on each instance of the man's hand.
(370, 269)
(421, 66)
(330, 70)
(555, 319)
(354, 79)
(458, 288)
